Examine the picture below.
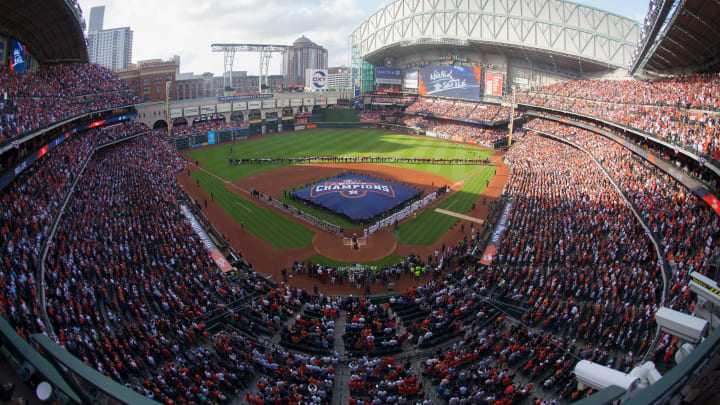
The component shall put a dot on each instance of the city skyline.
(181, 27)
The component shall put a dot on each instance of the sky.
(163, 28)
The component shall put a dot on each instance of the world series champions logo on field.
(352, 188)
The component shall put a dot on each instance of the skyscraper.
(111, 48)
(304, 54)
(97, 14)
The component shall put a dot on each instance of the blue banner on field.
(211, 137)
(450, 81)
(356, 196)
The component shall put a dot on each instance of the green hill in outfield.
(338, 142)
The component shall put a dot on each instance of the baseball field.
(274, 238)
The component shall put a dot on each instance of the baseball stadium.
(513, 203)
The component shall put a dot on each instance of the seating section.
(203, 127)
(383, 380)
(672, 212)
(370, 329)
(681, 109)
(56, 93)
(314, 329)
(460, 109)
(455, 128)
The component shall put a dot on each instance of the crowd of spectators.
(29, 206)
(384, 381)
(454, 128)
(684, 225)
(682, 109)
(573, 242)
(460, 109)
(368, 115)
(56, 93)
(439, 311)
(200, 128)
(314, 329)
(370, 329)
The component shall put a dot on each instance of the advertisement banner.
(254, 105)
(211, 137)
(283, 102)
(320, 101)
(17, 56)
(296, 102)
(308, 101)
(225, 107)
(450, 81)
(239, 106)
(388, 75)
(332, 100)
(316, 79)
(207, 109)
(410, 80)
(245, 97)
(493, 84)
(268, 104)
(190, 111)
(176, 112)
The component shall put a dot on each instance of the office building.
(304, 54)
(111, 48)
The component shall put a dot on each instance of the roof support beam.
(702, 21)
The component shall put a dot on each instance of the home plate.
(461, 216)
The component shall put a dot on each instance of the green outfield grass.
(388, 261)
(275, 229)
(429, 225)
(338, 142)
